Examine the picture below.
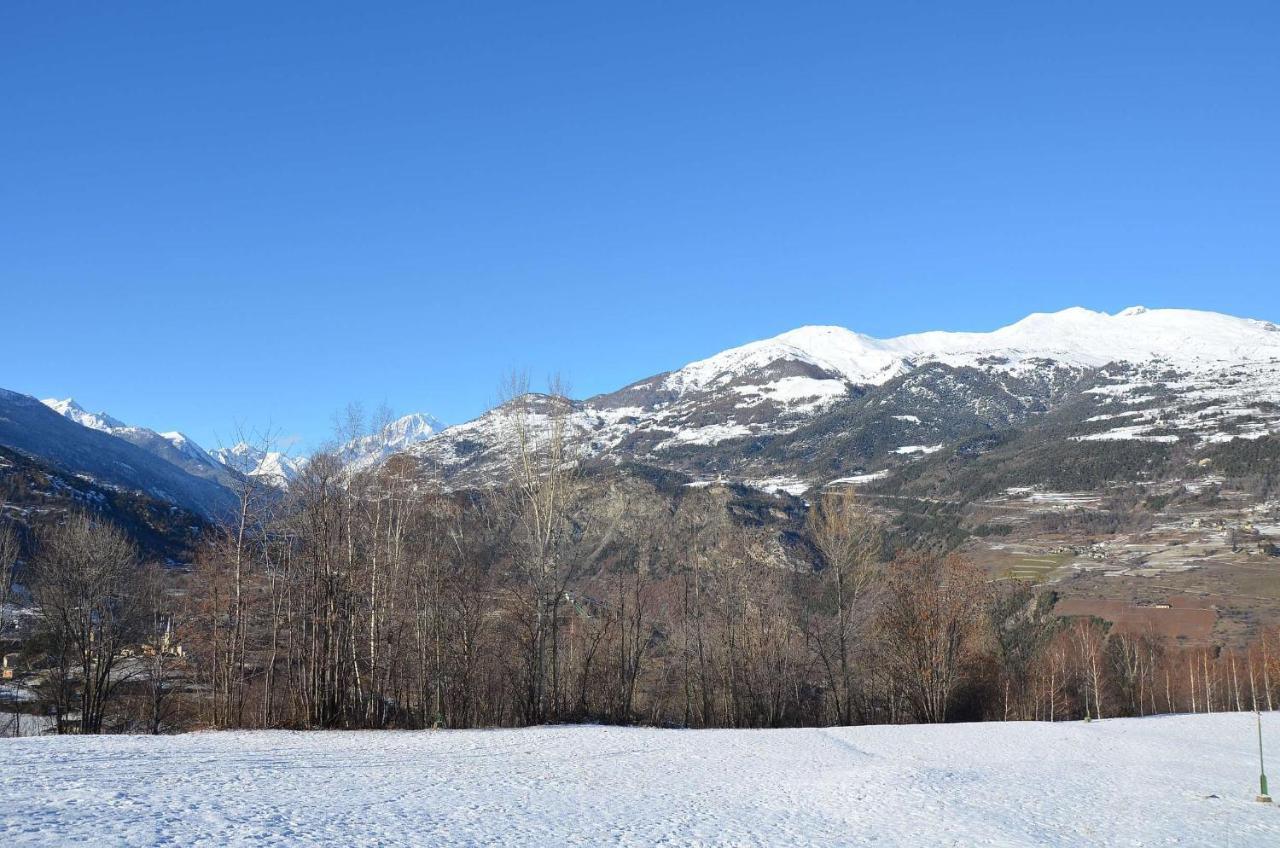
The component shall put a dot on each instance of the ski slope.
(1184, 780)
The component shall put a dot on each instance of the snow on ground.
(773, 485)
(711, 434)
(22, 724)
(1137, 433)
(909, 449)
(1186, 780)
(859, 479)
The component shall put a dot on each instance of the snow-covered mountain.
(360, 454)
(172, 447)
(275, 467)
(368, 451)
(188, 447)
(128, 459)
(1157, 374)
(68, 408)
(820, 403)
(1076, 337)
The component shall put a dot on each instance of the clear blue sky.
(213, 212)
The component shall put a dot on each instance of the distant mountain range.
(120, 457)
(275, 467)
(99, 449)
(802, 409)
(818, 404)
(173, 447)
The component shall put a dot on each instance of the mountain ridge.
(1154, 370)
(819, 403)
(34, 429)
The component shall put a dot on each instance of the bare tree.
(847, 537)
(929, 623)
(236, 548)
(9, 549)
(1090, 639)
(85, 581)
(542, 489)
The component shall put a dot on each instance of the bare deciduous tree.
(542, 489)
(930, 620)
(85, 580)
(847, 537)
(9, 549)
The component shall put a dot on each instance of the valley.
(1075, 488)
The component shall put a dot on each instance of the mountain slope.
(174, 448)
(35, 495)
(32, 428)
(817, 403)
(369, 451)
(276, 467)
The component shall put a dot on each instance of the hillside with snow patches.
(818, 404)
(1144, 374)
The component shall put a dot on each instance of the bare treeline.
(370, 600)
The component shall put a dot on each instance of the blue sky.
(255, 212)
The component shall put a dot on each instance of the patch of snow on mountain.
(68, 408)
(1139, 433)
(795, 393)
(790, 485)
(1113, 415)
(859, 479)
(708, 435)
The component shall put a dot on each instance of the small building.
(165, 645)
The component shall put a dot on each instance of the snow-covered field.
(1183, 780)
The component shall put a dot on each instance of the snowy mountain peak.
(275, 467)
(186, 446)
(833, 350)
(1074, 337)
(68, 408)
(410, 428)
(368, 451)
(172, 447)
